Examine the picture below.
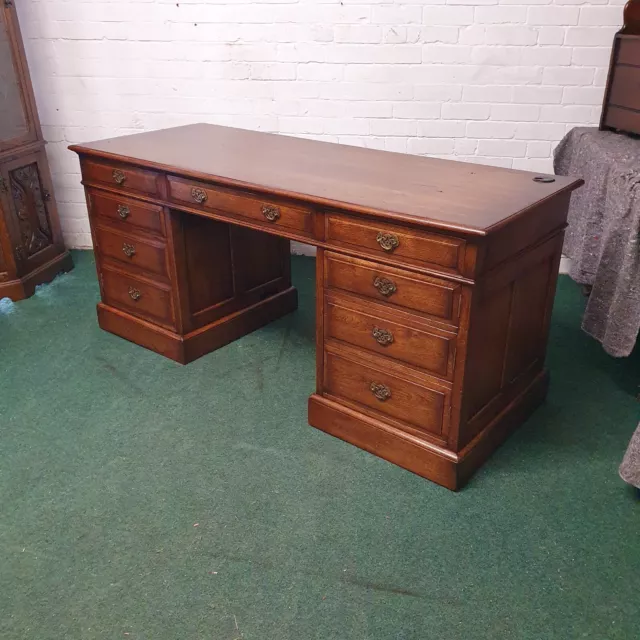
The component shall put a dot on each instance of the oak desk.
(435, 279)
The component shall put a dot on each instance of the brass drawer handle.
(380, 391)
(135, 294)
(270, 212)
(382, 336)
(199, 195)
(384, 286)
(123, 211)
(387, 241)
(118, 176)
(129, 250)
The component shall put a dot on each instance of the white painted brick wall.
(491, 81)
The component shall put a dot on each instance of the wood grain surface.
(439, 193)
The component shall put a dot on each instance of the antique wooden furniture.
(621, 106)
(31, 246)
(435, 279)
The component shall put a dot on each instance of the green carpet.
(144, 500)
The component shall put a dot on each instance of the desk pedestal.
(192, 285)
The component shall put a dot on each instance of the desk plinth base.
(24, 287)
(447, 468)
(185, 349)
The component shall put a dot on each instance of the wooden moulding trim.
(439, 439)
(429, 223)
(257, 290)
(225, 330)
(503, 273)
(383, 426)
(245, 310)
(138, 233)
(453, 288)
(414, 454)
(291, 195)
(401, 315)
(184, 348)
(624, 108)
(147, 334)
(23, 150)
(524, 402)
(20, 288)
(155, 280)
(397, 315)
(538, 384)
(151, 326)
(283, 233)
(390, 366)
(441, 465)
(496, 432)
(25, 86)
(578, 182)
(631, 14)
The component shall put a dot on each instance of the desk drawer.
(437, 299)
(266, 210)
(408, 401)
(130, 250)
(397, 244)
(129, 214)
(119, 176)
(392, 334)
(137, 296)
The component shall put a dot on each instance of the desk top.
(469, 198)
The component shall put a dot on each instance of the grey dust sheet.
(604, 226)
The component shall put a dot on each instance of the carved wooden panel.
(29, 201)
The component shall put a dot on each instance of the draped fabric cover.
(630, 467)
(604, 231)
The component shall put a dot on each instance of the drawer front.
(138, 297)
(130, 214)
(395, 337)
(122, 177)
(438, 299)
(411, 403)
(271, 212)
(146, 254)
(395, 243)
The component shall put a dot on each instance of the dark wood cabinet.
(621, 106)
(31, 245)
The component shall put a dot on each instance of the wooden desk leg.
(226, 281)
